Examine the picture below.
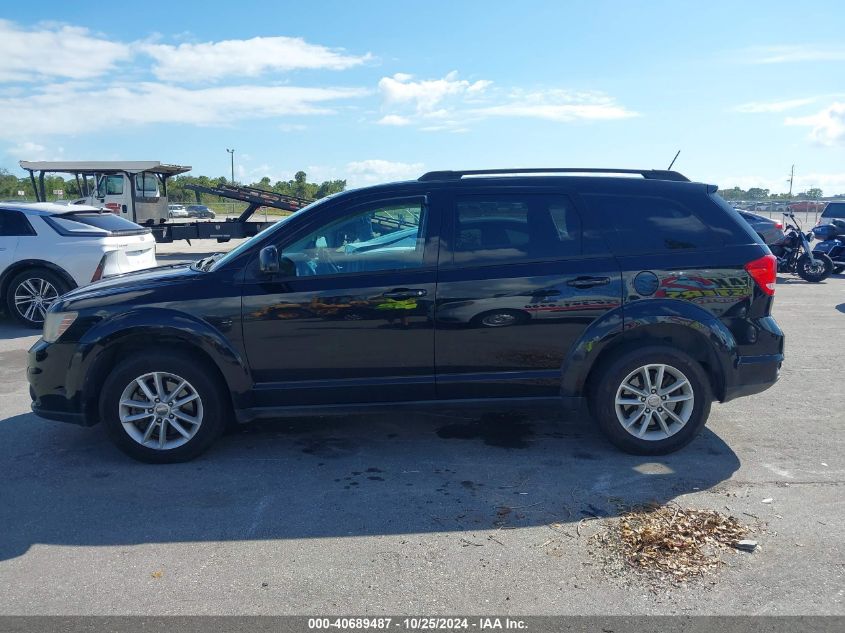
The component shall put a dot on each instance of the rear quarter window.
(649, 224)
(14, 223)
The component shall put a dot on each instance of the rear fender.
(656, 320)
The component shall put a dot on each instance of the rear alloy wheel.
(31, 293)
(652, 400)
(160, 407)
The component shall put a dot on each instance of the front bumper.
(54, 386)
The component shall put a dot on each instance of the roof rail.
(651, 174)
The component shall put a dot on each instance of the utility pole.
(791, 178)
(232, 153)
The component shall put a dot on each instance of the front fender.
(157, 326)
(652, 319)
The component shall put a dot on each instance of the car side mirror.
(268, 260)
(287, 267)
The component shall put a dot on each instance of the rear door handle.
(588, 282)
(404, 293)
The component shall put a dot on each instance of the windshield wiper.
(206, 262)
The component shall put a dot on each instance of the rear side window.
(14, 223)
(512, 228)
(645, 224)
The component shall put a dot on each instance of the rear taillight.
(764, 272)
(779, 226)
(98, 274)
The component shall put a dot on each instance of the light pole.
(232, 154)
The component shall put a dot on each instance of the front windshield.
(245, 246)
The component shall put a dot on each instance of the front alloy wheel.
(163, 406)
(160, 410)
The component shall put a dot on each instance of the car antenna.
(669, 168)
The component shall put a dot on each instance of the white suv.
(48, 249)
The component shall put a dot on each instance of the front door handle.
(404, 293)
(588, 282)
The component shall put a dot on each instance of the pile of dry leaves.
(671, 541)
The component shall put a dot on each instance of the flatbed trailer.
(225, 230)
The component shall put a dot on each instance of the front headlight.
(56, 324)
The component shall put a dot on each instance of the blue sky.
(374, 91)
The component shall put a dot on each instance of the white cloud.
(374, 171)
(425, 95)
(71, 109)
(72, 52)
(759, 107)
(558, 105)
(451, 104)
(791, 53)
(828, 125)
(252, 57)
(28, 150)
(394, 119)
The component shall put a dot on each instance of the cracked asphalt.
(435, 514)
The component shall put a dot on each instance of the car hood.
(134, 281)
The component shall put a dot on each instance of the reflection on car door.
(349, 319)
(521, 277)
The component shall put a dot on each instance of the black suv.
(643, 295)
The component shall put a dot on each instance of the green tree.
(814, 193)
(757, 193)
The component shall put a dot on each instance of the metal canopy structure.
(86, 168)
(104, 167)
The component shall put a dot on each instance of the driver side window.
(380, 237)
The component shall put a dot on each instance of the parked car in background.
(199, 211)
(769, 230)
(806, 206)
(647, 298)
(48, 249)
(832, 211)
(176, 211)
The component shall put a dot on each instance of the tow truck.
(137, 190)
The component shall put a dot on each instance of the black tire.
(839, 269)
(213, 413)
(608, 378)
(499, 318)
(804, 268)
(38, 279)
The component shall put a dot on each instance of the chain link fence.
(806, 211)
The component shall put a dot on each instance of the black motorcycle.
(808, 265)
(832, 243)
